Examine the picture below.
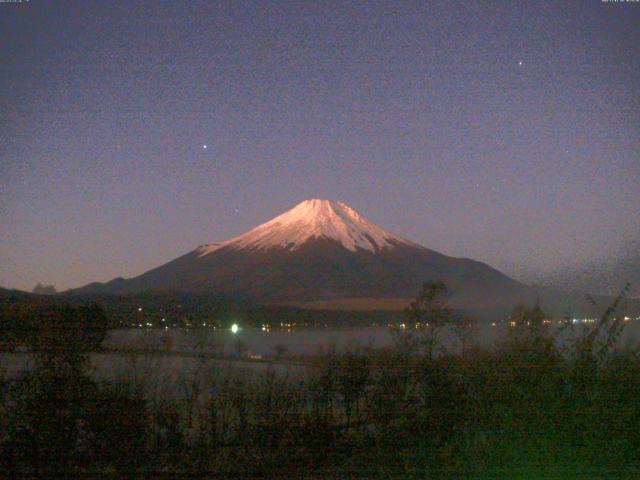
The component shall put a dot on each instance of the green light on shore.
(234, 328)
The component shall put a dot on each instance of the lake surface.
(312, 341)
(166, 362)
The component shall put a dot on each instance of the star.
(204, 147)
(520, 63)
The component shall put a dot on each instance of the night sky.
(508, 132)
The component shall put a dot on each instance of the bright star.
(204, 147)
(519, 63)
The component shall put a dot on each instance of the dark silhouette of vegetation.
(428, 316)
(190, 310)
(531, 407)
(44, 289)
(280, 350)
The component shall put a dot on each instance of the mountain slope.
(320, 249)
(324, 250)
(606, 276)
(313, 219)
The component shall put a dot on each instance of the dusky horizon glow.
(132, 132)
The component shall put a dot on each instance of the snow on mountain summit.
(309, 219)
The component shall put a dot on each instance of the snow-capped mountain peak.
(309, 219)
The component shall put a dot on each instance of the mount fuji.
(322, 253)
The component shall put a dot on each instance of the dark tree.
(280, 350)
(40, 289)
(429, 313)
(60, 422)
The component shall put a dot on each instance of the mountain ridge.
(313, 218)
(322, 250)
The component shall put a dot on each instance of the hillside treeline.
(527, 408)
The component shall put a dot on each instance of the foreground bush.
(527, 408)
